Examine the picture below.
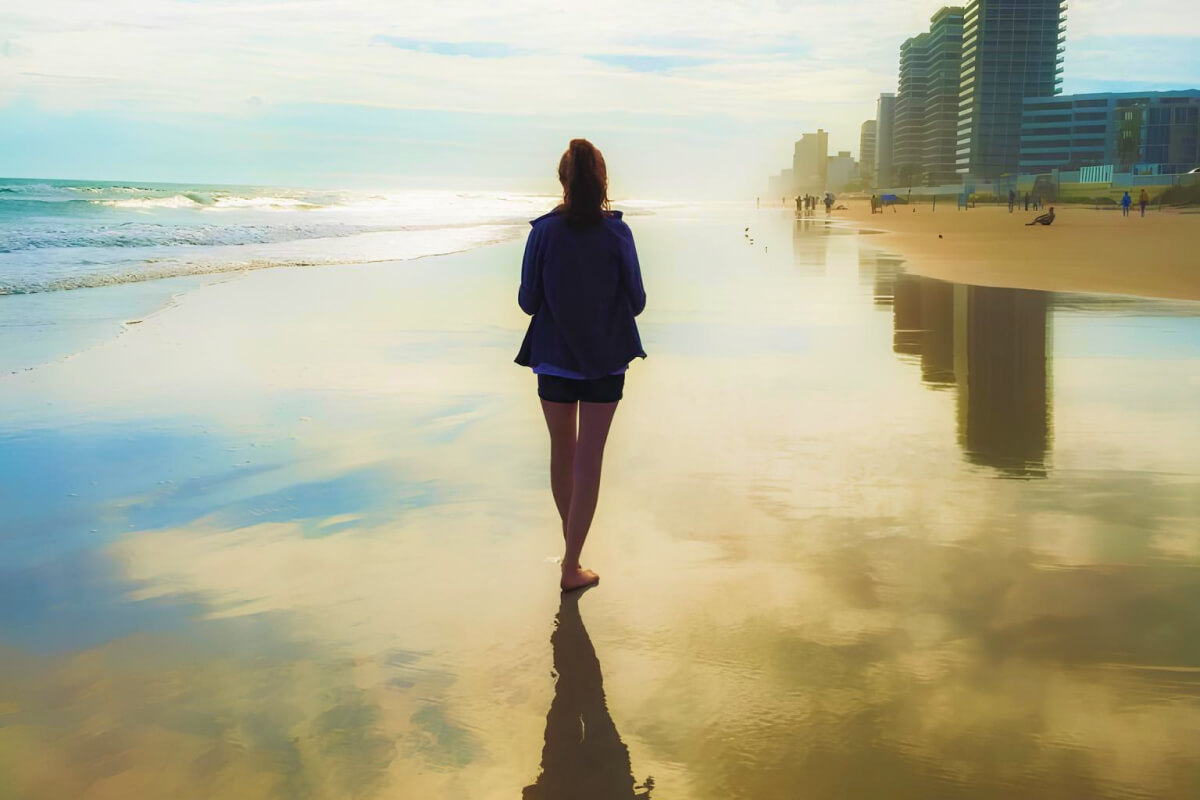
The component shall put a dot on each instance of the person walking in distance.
(582, 284)
(1143, 199)
(1126, 202)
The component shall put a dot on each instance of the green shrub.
(1180, 196)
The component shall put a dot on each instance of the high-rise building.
(1012, 49)
(927, 105)
(885, 129)
(1150, 132)
(810, 162)
(866, 153)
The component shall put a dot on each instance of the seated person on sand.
(1044, 219)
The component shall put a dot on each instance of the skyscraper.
(810, 162)
(885, 119)
(1012, 49)
(866, 153)
(927, 106)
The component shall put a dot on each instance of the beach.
(1085, 250)
(862, 532)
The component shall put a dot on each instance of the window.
(1063, 106)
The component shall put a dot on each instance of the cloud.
(648, 63)
(783, 66)
(469, 49)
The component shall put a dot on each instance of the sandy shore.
(1086, 250)
(862, 533)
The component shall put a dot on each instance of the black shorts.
(554, 389)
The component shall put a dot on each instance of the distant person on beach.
(1143, 199)
(828, 202)
(1027, 201)
(1126, 202)
(581, 282)
(1012, 200)
(874, 203)
(757, 202)
(1044, 219)
(798, 198)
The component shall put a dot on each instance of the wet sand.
(1085, 250)
(862, 534)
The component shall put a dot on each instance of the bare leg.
(560, 419)
(594, 422)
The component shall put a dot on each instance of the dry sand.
(1085, 250)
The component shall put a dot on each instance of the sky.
(689, 98)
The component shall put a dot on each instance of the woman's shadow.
(584, 757)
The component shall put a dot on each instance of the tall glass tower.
(927, 106)
(1012, 49)
(885, 134)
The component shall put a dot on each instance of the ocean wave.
(129, 235)
(36, 192)
(174, 201)
(208, 200)
(263, 202)
(174, 268)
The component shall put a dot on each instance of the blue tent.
(890, 198)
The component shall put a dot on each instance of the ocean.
(61, 234)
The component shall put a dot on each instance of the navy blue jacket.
(583, 286)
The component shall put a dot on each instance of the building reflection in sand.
(991, 346)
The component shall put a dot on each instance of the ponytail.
(584, 178)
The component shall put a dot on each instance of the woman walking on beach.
(581, 282)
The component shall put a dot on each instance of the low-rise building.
(1145, 133)
(841, 170)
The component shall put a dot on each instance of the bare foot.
(578, 579)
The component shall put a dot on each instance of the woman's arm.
(529, 296)
(632, 273)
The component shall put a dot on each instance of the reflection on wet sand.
(584, 756)
(320, 569)
(991, 344)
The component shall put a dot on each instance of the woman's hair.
(584, 178)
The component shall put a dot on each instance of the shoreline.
(1084, 251)
(131, 302)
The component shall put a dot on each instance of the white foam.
(174, 201)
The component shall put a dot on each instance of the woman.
(581, 282)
